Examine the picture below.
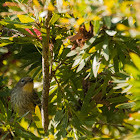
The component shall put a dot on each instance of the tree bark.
(45, 72)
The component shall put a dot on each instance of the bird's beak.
(31, 80)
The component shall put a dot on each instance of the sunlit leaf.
(81, 65)
(25, 18)
(111, 32)
(92, 50)
(80, 21)
(61, 50)
(54, 18)
(22, 26)
(38, 119)
(89, 42)
(76, 62)
(51, 7)
(132, 70)
(122, 27)
(5, 44)
(96, 26)
(73, 52)
(135, 59)
(24, 123)
(36, 3)
(125, 105)
(95, 66)
(105, 51)
(87, 26)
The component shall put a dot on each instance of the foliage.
(94, 65)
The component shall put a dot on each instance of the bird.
(24, 98)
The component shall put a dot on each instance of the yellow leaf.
(66, 3)
(37, 112)
(101, 68)
(51, 137)
(80, 21)
(25, 18)
(121, 27)
(36, 3)
(24, 124)
(4, 44)
(38, 119)
(64, 20)
(51, 7)
(96, 18)
(92, 50)
(87, 26)
(136, 59)
(61, 50)
(89, 70)
(22, 26)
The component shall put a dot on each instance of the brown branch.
(45, 72)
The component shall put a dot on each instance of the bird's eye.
(22, 81)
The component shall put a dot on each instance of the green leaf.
(119, 99)
(23, 26)
(89, 42)
(125, 105)
(3, 109)
(33, 66)
(59, 97)
(116, 63)
(2, 22)
(107, 20)
(108, 77)
(54, 18)
(21, 133)
(22, 116)
(133, 122)
(91, 92)
(132, 70)
(4, 137)
(37, 71)
(96, 26)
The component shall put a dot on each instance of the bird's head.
(26, 84)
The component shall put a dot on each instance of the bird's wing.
(36, 99)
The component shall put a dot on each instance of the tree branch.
(45, 72)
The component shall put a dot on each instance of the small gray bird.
(24, 98)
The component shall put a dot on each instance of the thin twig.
(111, 124)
